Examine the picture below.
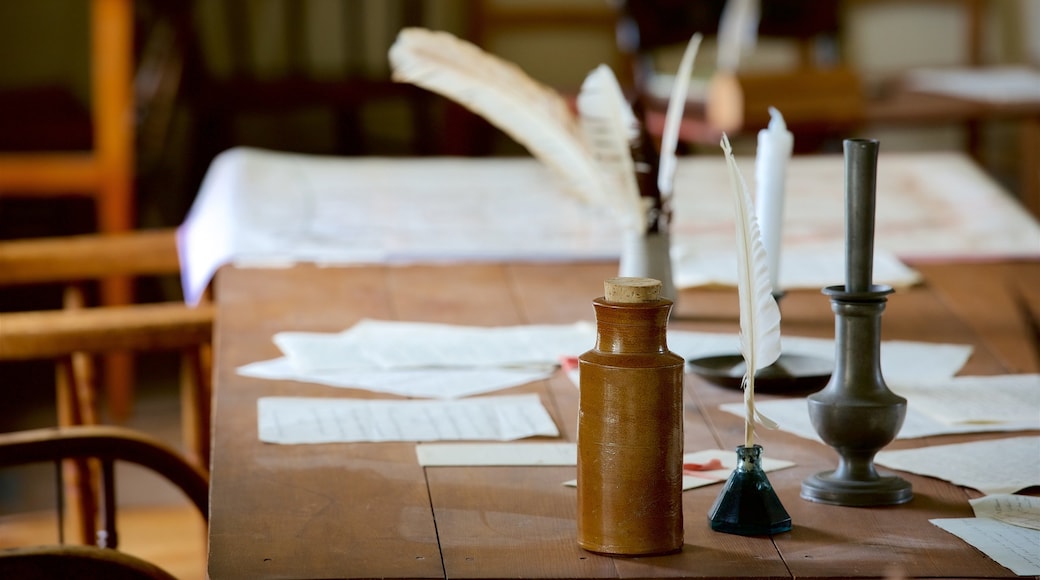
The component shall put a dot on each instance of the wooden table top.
(370, 511)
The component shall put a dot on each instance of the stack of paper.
(434, 361)
(936, 406)
(1005, 528)
(424, 360)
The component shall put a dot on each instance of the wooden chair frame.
(106, 445)
(74, 335)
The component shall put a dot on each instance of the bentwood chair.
(104, 445)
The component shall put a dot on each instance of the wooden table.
(370, 511)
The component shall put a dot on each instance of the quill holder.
(856, 413)
(648, 255)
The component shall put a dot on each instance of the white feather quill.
(759, 314)
(673, 118)
(610, 128)
(533, 114)
(738, 32)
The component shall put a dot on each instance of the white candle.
(775, 144)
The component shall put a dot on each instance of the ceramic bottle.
(630, 426)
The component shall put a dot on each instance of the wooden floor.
(155, 522)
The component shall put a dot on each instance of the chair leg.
(80, 480)
(108, 537)
(76, 393)
(196, 396)
(112, 35)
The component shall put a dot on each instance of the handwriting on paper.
(1010, 546)
(290, 420)
(1017, 510)
(993, 466)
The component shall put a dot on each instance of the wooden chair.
(73, 336)
(105, 172)
(105, 445)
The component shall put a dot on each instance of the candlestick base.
(826, 487)
(856, 413)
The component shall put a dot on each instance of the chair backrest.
(106, 445)
(73, 336)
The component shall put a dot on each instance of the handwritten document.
(443, 383)
(808, 265)
(382, 344)
(1015, 548)
(901, 360)
(990, 399)
(447, 361)
(934, 407)
(994, 466)
(291, 420)
(1017, 510)
(424, 360)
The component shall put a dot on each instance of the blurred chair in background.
(72, 337)
(53, 149)
(104, 446)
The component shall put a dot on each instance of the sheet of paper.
(259, 205)
(994, 466)
(993, 84)
(1013, 547)
(380, 344)
(901, 361)
(1017, 510)
(793, 417)
(990, 399)
(291, 420)
(441, 383)
(490, 454)
(812, 265)
(701, 477)
(455, 361)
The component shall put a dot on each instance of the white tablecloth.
(275, 208)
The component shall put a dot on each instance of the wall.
(45, 42)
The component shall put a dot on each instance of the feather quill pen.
(738, 31)
(759, 314)
(673, 118)
(610, 129)
(533, 114)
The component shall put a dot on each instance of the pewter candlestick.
(856, 413)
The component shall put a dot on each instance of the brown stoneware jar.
(630, 426)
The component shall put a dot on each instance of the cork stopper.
(631, 290)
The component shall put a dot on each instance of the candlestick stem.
(860, 188)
